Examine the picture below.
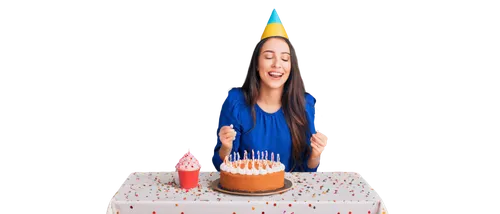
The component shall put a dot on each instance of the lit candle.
(272, 156)
(258, 155)
(266, 155)
(253, 156)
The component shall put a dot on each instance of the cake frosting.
(188, 163)
(252, 167)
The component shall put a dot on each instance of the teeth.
(276, 74)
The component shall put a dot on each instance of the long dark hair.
(292, 101)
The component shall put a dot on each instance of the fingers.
(225, 129)
(321, 137)
(228, 136)
(314, 145)
(227, 133)
(318, 143)
(318, 149)
(316, 139)
(322, 148)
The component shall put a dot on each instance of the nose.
(276, 63)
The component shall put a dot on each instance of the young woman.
(271, 111)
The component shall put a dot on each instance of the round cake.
(252, 175)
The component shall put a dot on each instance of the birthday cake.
(252, 175)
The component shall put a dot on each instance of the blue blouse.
(270, 133)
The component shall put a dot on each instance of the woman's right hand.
(226, 136)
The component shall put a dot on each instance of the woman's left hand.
(318, 143)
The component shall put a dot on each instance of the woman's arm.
(228, 116)
(312, 164)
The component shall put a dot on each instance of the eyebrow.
(270, 51)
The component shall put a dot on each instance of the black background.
(156, 75)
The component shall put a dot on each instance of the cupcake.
(188, 167)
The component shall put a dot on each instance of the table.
(315, 192)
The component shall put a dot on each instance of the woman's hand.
(226, 136)
(318, 143)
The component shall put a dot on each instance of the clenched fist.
(226, 136)
(318, 144)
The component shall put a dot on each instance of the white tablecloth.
(319, 192)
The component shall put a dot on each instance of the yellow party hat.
(274, 26)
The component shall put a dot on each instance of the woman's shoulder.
(235, 104)
(310, 100)
(235, 94)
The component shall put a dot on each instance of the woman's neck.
(270, 97)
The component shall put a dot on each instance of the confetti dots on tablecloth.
(332, 187)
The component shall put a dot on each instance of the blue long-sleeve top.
(271, 132)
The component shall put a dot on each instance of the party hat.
(274, 27)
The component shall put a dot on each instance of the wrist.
(224, 151)
(313, 162)
(315, 157)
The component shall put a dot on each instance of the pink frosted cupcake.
(189, 171)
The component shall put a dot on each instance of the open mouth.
(275, 74)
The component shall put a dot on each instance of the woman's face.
(274, 63)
